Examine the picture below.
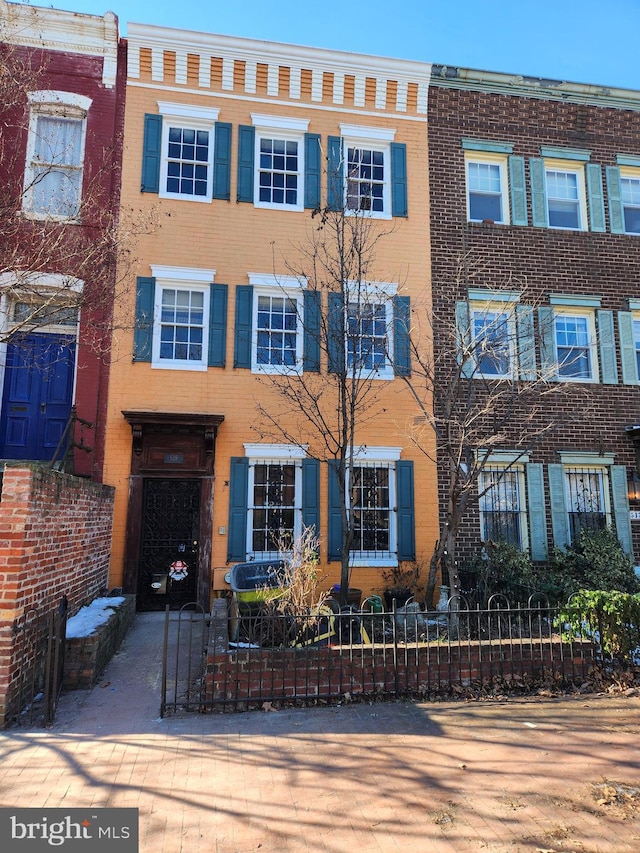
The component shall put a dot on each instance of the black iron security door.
(168, 570)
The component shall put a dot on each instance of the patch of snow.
(89, 618)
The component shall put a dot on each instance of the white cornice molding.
(452, 77)
(265, 52)
(68, 32)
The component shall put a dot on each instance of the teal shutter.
(526, 343)
(518, 188)
(311, 495)
(616, 210)
(143, 329)
(399, 201)
(238, 506)
(405, 510)
(595, 192)
(312, 170)
(218, 294)
(246, 160)
(335, 174)
(536, 511)
(557, 499)
(546, 328)
(607, 345)
(464, 354)
(538, 193)
(336, 334)
(242, 333)
(620, 495)
(627, 348)
(151, 150)
(222, 161)
(312, 321)
(401, 335)
(334, 526)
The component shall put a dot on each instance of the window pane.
(369, 499)
(367, 336)
(585, 499)
(188, 160)
(275, 314)
(491, 342)
(278, 169)
(500, 513)
(365, 179)
(182, 325)
(272, 513)
(563, 199)
(573, 349)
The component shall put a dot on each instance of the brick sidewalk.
(514, 776)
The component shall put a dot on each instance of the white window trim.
(589, 314)
(376, 139)
(51, 102)
(499, 461)
(276, 453)
(181, 278)
(499, 307)
(634, 174)
(500, 160)
(287, 287)
(386, 456)
(577, 168)
(290, 130)
(190, 117)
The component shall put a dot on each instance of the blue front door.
(37, 397)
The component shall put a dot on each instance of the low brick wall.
(85, 658)
(243, 678)
(55, 542)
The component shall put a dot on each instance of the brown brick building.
(535, 246)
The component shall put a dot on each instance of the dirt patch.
(618, 798)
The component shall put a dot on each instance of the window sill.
(177, 365)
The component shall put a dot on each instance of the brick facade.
(534, 120)
(55, 535)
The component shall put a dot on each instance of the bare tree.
(325, 403)
(480, 388)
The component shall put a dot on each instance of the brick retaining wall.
(55, 540)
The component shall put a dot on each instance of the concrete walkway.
(517, 776)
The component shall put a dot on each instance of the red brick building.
(535, 244)
(63, 108)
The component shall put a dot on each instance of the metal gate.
(184, 659)
(39, 653)
(168, 569)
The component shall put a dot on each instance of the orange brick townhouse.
(232, 147)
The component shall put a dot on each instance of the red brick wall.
(541, 260)
(55, 537)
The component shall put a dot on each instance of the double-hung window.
(587, 498)
(274, 510)
(636, 340)
(566, 190)
(487, 189)
(277, 324)
(577, 340)
(279, 163)
(367, 170)
(369, 333)
(493, 332)
(186, 169)
(564, 197)
(495, 336)
(630, 198)
(502, 505)
(55, 154)
(371, 496)
(181, 318)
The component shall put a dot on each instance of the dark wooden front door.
(169, 546)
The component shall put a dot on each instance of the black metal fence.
(230, 661)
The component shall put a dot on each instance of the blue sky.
(584, 41)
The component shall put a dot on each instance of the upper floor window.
(503, 505)
(493, 340)
(369, 334)
(181, 318)
(487, 189)
(55, 154)
(636, 340)
(574, 336)
(630, 198)
(367, 169)
(565, 197)
(186, 168)
(277, 324)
